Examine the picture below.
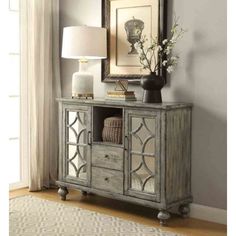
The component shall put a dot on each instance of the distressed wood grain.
(105, 179)
(178, 162)
(108, 157)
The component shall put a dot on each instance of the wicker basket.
(112, 131)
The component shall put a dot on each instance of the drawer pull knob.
(106, 179)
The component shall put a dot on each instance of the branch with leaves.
(150, 57)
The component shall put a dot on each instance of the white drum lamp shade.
(83, 43)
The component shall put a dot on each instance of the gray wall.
(200, 78)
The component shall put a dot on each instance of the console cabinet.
(152, 165)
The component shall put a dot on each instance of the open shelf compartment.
(99, 115)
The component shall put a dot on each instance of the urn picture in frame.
(134, 30)
(121, 64)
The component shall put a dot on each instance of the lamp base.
(83, 96)
(82, 85)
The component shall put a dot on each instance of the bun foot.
(184, 210)
(63, 191)
(84, 193)
(163, 216)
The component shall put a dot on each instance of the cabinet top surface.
(98, 101)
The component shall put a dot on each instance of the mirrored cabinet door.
(143, 154)
(77, 145)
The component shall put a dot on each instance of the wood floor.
(143, 215)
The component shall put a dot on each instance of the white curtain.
(40, 62)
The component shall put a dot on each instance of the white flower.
(170, 69)
(159, 48)
(167, 51)
(164, 63)
(164, 41)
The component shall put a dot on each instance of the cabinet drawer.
(105, 179)
(108, 157)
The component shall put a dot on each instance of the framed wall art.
(126, 22)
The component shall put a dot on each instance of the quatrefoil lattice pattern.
(142, 168)
(76, 145)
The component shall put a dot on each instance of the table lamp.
(83, 43)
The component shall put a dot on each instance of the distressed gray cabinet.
(152, 165)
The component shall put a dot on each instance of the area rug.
(32, 216)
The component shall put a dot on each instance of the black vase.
(152, 85)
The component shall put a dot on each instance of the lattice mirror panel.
(76, 145)
(142, 155)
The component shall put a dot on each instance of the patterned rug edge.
(95, 212)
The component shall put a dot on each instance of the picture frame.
(122, 18)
